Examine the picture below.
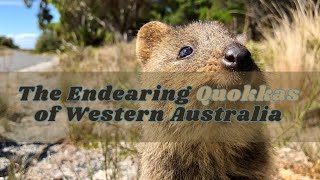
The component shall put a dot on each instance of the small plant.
(3, 113)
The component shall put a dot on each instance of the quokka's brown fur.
(193, 150)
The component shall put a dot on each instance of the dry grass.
(5, 53)
(119, 57)
(293, 43)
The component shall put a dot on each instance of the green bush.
(7, 42)
(48, 42)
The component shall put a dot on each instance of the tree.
(44, 16)
(86, 22)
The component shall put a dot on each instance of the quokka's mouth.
(236, 79)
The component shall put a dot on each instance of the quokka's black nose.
(238, 58)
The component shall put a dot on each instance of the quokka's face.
(197, 47)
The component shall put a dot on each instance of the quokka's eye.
(185, 52)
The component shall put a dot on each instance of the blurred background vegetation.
(99, 22)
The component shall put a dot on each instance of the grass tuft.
(293, 43)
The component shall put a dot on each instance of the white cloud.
(25, 40)
(11, 3)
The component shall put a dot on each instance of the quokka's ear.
(148, 37)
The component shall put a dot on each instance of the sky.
(21, 23)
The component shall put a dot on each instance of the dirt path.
(12, 60)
